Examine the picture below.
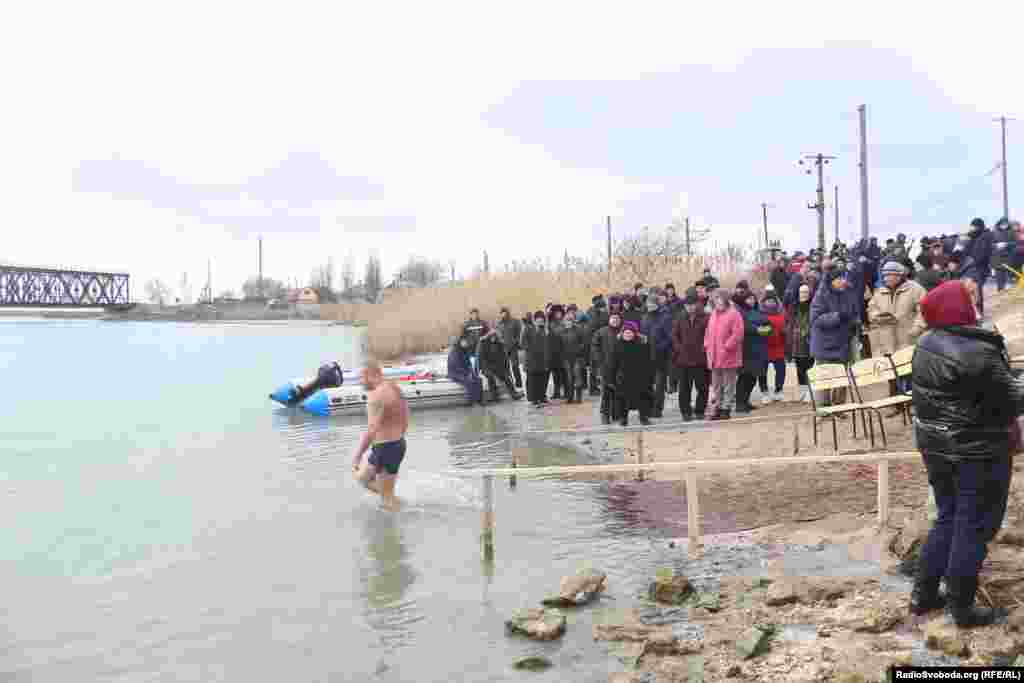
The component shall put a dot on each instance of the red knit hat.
(948, 304)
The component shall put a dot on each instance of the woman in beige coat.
(894, 312)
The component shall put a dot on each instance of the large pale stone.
(578, 589)
(539, 624)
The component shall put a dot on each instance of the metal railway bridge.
(38, 287)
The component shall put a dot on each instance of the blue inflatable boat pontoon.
(288, 394)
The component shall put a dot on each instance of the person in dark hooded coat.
(833, 317)
(600, 355)
(756, 330)
(573, 339)
(598, 315)
(979, 248)
(555, 315)
(631, 371)
(535, 357)
(460, 370)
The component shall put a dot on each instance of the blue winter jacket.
(755, 347)
(662, 332)
(833, 315)
(459, 368)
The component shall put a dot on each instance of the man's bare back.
(393, 420)
(387, 422)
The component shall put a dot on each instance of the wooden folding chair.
(826, 377)
(903, 365)
(869, 372)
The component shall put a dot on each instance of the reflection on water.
(386, 575)
(391, 575)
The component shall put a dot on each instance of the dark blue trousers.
(971, 498)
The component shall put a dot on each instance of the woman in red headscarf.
(965, 399)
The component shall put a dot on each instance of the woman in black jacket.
(965, 400)
(535, 357)
(557, 367)
(631, 372)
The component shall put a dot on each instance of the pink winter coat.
(723, 342)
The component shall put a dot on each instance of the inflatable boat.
(287, 394)
(351, 399)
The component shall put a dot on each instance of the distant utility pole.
(261, 266)
(764, 220)
(1006, 199)
(862, 111)
(836, 207)
(207, 295)
(820, 160)
(609, 224)
(689, 252)
(487, 264)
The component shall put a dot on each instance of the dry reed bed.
(422, 320)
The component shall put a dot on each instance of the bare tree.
(272, 289)
(157, 291)
(348, 272)
(420, 272)
(690, 232)
(322, 280)
(644, 253)
(372, 280)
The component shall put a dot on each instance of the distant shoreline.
(175, 317)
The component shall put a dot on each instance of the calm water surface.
(164, 521)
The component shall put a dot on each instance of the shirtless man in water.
(387, 422)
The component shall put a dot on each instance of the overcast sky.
(150, 137)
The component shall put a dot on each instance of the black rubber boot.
(605, 420)
(924, 597)
(961, 604)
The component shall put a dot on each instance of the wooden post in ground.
(692, 512)
(516, 445)
(883, 493)
(639, 454)
(487, 531)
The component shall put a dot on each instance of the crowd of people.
(711, 346)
